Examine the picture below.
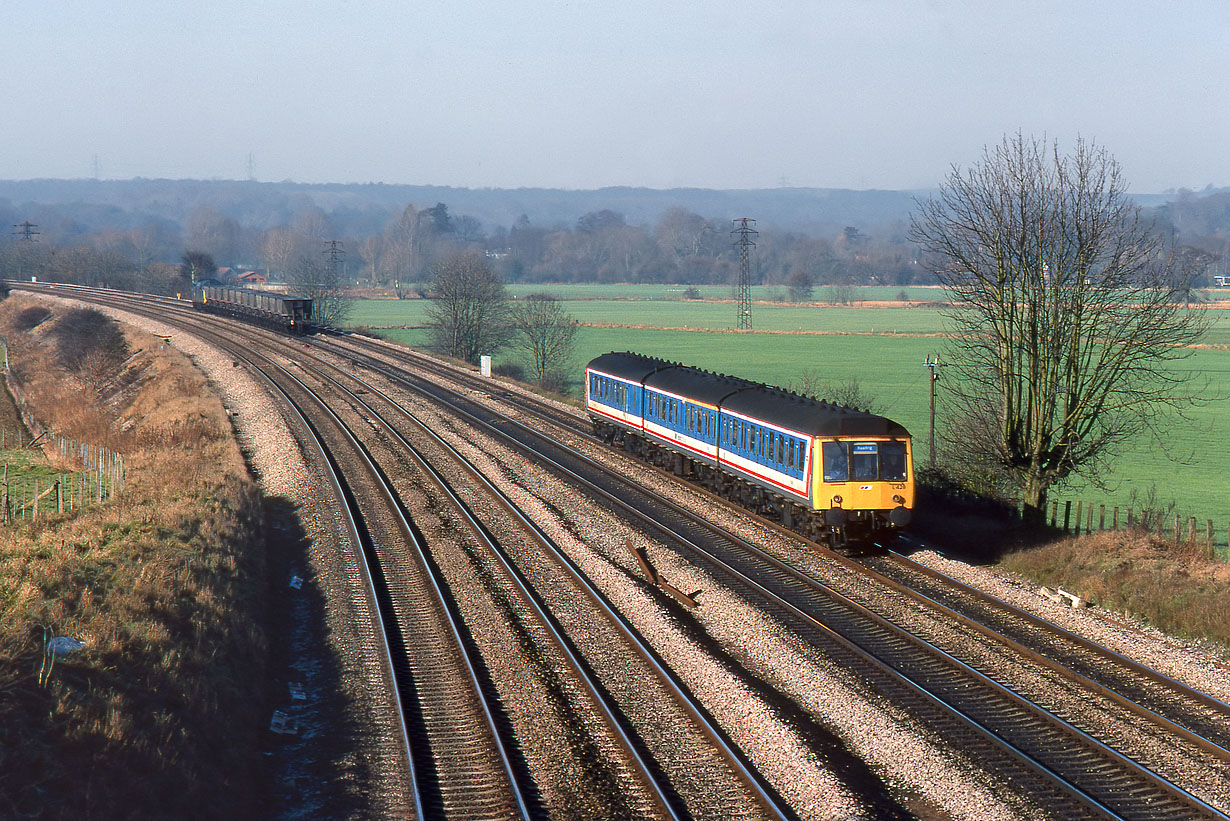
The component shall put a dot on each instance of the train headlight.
(836, 501)
(899, 499)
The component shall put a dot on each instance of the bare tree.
(197, 265)
(469, 309)
(848, 393)
(1069, 313)
(545, 333)
(314, 278)
(800, 284)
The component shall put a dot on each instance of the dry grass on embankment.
(159, 716)
(1177, 589)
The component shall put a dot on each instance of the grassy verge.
(1174, 588)
(159, 714)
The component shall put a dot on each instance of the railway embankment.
(1141, 576)
(131, 632)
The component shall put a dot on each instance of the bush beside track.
(160, 714)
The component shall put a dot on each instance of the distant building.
(252, 279)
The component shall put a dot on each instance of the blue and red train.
(834, 473)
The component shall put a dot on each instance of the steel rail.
(450, 622)
(352, 517)
(530, 597)
(1072, 789)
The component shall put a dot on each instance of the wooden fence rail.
(1162, 523)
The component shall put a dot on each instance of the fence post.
(1101, 517)
(1089, 520)
(1067, 516)
(60, 495)
(1054, 512)
(1078, 517)
(1176, 530)
(1116, 524)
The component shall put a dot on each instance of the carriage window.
(892, 461)
(864, 461)
(836, 462)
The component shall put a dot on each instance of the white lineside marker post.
(484, 365)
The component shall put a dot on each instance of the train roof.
(774, 405)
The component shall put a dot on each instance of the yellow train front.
(837, 474)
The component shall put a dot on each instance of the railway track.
(1088, 771)
(1081, 773)
(459, 761)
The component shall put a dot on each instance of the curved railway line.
(1062, 756)
(461, 752)
(1069, 721)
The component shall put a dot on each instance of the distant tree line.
(86, 245)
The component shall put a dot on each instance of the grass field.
(883, 348)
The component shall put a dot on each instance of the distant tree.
(214, 232)
(469, 313)
(847, 393)
(596, 221)
(312, 277)
(546, 333)
(1069, 311)
(800, 284)
(839, 294)
(468, 229)
(197, 265)
(440, 221)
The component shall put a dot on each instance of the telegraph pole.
(933, 364)
(745, 243)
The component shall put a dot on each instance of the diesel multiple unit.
(290, 314)
(832, 472)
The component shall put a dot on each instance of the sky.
(862, 94)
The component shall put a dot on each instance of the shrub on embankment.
(159, 714)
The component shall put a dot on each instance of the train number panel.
(834, 473)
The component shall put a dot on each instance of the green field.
(883, 348)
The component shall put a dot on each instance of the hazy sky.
(714, 94)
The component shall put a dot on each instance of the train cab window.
(892, 461)
(864, 461)
(836, 462)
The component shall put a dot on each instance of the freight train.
(836, 474)
(290, 314)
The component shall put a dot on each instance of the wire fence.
(23, 496)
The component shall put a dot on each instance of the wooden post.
(1054, 512)
(1209, 533)
(1089, 520)
(1115, 526)
(1067, 515)
(1101, 517)
(1176, 530)
(60, 495)
(1078, 517)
